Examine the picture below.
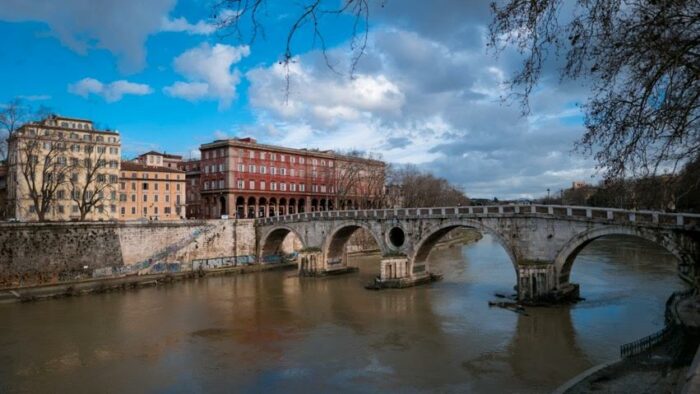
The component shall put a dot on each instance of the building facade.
(157, 159)
(192, 188)
(3, 190)
(243, 178)
(151, 192)
(61, 169)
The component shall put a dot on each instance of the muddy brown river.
(274, 332)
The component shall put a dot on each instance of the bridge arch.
(271, 241)
(566, 256)
(337, 239)
(426, 244)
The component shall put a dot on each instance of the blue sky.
(426, 91)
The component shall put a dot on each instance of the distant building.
(579, 185)
(193, 188)
(62, 168)
(3, 190)
(157, 159)
(151, 192)
(240, 176)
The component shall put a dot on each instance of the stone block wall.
(36, 253)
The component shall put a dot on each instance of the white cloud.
(202, 27)
(209, 72)
(120, 27)
(36, 97)
(111, 92)
(420, 99)
(182, 25)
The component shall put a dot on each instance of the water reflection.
(276, 332)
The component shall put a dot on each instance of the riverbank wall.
(34, 254)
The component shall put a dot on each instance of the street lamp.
(547, 195)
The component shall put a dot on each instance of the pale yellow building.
(62, 169)
(151, 192)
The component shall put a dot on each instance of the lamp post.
(547, 195)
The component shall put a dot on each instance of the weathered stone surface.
(34, 253)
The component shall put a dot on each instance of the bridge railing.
(582, 212)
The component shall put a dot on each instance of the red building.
(240, 176)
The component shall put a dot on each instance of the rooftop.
(134, 166)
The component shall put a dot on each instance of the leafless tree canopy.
(643, 60)
(411, 188)
(243, 19)
(14, 114)
(44, 168)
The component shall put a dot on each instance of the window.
(314, 162)
(301, 160)
(144, 186)
(251, 168)
(60, 209)
(283, 187)
(155, 185)
(263, 170)
(167, 186)
(155, 198)
(123, 211)
(251, 185)
(273, 186)
(145, 211)
(240, 184)
(133, 210)
(206, 185)
(291, 172)
(262, 185)
(252, 154)
(282, 157)
(262, 155)
(241, 167)
(145, 198)
(74, 209)
(133, 198)
(273, 156)
(283, 171)
(167, 198)
(221, 184)
(113, 208)
(273, 170)
(166, 210)
(302, 187)
(221, 167)
(177, 187)
(60, 194)
(293, 187)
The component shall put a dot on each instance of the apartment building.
(151, 192)
(241, 177)
(62, 168)
(193, 186)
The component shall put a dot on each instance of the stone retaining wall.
(36, 253)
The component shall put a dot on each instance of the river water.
(276, 332)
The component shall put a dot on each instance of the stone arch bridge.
(541, 240)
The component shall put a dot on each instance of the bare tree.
(89, 182)
(44, 168)
(13, 115)
(413, 188)
(642, 58)
(237, 17)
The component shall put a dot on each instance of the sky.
(426, 91)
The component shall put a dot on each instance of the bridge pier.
(539, 283)
(396, 272)
(314, 263)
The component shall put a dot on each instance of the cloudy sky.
(426, 91)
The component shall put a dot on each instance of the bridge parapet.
(584, 213)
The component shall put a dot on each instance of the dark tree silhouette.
(642, 58)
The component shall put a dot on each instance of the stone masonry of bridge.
(541, 240)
